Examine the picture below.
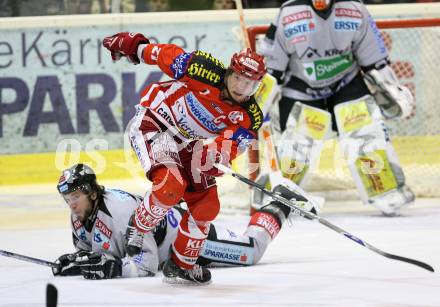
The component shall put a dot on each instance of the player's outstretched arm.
(125, 44)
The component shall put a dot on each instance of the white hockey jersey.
(322, 50)
(107, 233)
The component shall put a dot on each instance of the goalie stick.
(321, 220)
(28, 259)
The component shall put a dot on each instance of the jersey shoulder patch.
(205, 68)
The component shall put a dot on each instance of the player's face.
(240, 87)
(79, 203)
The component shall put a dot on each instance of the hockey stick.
(28, 259)
(321, 220)
(240, 12)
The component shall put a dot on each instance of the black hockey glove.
(67, 266)
(99, 266)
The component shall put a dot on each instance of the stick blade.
(412, 261)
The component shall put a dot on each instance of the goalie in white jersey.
(322, 52)
(99, 221)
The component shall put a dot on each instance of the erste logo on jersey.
(102, 234)
(347, 19)
(295, 29)
(103, 228)
(298, 25)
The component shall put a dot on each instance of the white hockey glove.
(66, 265)
(394, 100)
(99, 266)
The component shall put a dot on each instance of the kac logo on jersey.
(235, 117)
(296, 29)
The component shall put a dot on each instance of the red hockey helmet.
(249, 64)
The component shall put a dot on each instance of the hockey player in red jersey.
(206, 114)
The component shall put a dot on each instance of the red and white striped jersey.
(193, 102)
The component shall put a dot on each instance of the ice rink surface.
(306, 265)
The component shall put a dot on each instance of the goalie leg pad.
(370, 155)
(301, 143)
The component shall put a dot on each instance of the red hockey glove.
(125, 44)
(221, 151)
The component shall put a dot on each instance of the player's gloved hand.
(99, 266)
(66, 265)
(125, 44)
(394, 100)
(207, 156)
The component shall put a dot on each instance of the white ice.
(306, 265)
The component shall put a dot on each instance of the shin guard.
(190, 238)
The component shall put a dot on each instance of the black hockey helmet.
(79, 176)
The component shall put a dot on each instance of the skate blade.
(184, 282)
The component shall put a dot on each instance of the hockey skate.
(197, 276)
(392, 202)
(133, 239)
